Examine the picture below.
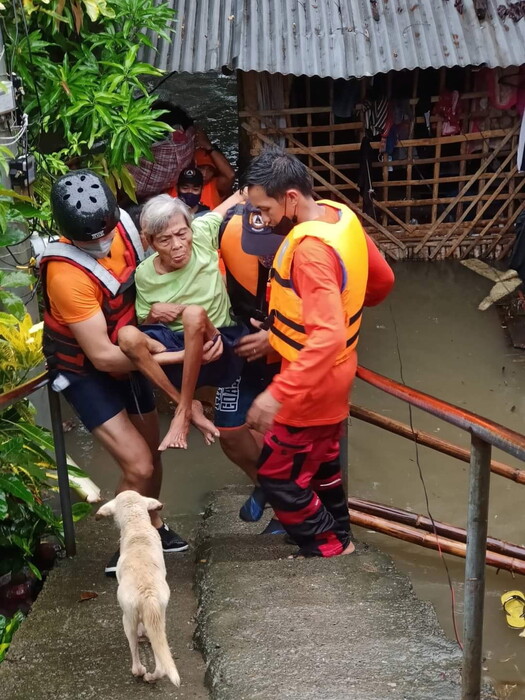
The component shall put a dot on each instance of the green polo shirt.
(199, 282)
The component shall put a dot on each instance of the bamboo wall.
(449, 196)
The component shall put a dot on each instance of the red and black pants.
(300, 472)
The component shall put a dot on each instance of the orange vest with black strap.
(347, 239)
(246, 279)
(60, 346)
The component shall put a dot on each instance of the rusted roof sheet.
(337, 38)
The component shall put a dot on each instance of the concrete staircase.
(334, 629)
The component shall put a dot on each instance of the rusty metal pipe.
(428, 540)
(428, 440)
(495, 434)
(421, 522)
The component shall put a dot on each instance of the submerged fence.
(484, 435)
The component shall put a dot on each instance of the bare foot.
(178, 432)
(349, 550)
(200, 421)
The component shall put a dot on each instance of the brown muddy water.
(451, 350)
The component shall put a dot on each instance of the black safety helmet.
(83, 206)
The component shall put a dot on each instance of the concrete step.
(72, 650)
(333, 629)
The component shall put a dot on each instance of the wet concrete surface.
(72, 650)
(342, 628)
(447, 348)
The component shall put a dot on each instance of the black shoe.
(111, 566)
(171, 542)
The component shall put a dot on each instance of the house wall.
(429, 179)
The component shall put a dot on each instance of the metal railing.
(484, 435)
(23, 391)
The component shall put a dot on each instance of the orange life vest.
(210, 195)
(247, 281)
(60, 346)
(347, 239)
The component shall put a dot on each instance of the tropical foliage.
(86, 103)
(8, 627)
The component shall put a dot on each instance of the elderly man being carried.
(182, 303)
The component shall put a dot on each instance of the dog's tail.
(153, 621)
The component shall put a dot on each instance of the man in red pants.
(323, 274)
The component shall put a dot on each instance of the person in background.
(89, 294)
(323, 274)
(189, 191)
(217, 173)
(170, 156)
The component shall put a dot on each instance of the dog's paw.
(139, 671)
(150, 677)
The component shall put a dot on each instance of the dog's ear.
(153, 504)
(107, 510)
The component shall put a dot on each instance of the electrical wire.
(13, 140)
(427, 501)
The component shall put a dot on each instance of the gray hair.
(158, 211)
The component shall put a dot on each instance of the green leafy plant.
(8, 626)
(86, 102)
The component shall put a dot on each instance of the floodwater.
(430, 331)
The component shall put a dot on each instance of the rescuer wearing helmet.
(323, 274)
(89, 294)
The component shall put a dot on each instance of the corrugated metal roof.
(337, 38)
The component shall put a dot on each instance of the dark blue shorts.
(222, 372)
(232, 402)
(96, 397)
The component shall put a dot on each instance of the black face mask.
(285, 225)
(190, 199)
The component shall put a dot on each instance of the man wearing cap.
(323, 274)
(89, 294)
(189, 191)
(247, 247)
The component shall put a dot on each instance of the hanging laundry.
(503, 94)
(448, 108)
(366, 157)
(402, 120)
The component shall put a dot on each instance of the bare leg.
(132, 453)
(130, 628)
(242, 448)
(197, 330)
(137, 346)
(148, 426)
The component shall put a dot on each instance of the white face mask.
(97, 249)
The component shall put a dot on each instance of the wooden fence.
(444, 196)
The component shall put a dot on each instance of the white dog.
(143, 593)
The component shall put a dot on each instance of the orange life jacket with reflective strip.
(60, 346)
(347, 239)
